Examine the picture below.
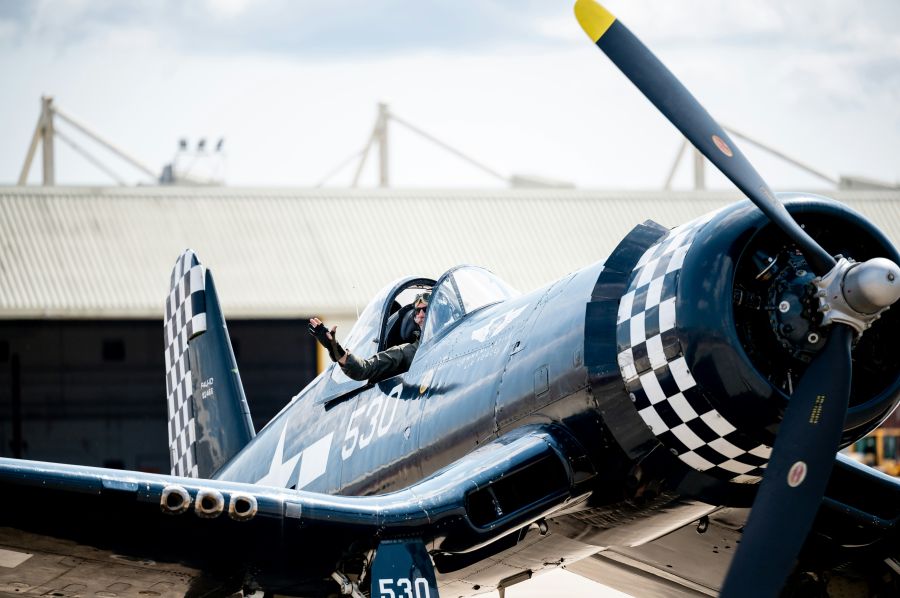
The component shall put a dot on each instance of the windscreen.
(460, 292)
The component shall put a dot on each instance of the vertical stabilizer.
(209, 420)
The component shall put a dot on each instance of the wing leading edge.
(235, 535)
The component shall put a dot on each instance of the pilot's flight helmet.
(422, 298)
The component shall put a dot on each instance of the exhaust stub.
(209, 503)
(174, 500)
(242, 507)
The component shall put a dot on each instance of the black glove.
(321, 334)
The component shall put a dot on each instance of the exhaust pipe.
(209, 503)
(242, 507)
(175, 500)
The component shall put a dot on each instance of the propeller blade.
(797, 473)
(677, 104)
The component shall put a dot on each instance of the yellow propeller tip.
(593, 18)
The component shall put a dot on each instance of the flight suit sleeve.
(381, 365)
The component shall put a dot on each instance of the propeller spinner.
(851, 297)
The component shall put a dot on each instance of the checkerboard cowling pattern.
(657, 377)
(185, 318)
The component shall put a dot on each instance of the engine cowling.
(718, 322)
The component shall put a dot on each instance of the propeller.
(670, 97)
(850, 296)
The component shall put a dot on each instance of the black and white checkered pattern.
(657, 376)
(185, 318)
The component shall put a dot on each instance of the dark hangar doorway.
(92, 392)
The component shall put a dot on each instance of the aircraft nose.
(872, 285)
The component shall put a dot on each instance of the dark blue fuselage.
(505, 365)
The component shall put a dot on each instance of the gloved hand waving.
(326, 338)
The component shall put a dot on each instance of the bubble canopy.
(459, 292)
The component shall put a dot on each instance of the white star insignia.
(280, 471)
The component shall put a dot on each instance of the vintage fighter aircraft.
(621, 422)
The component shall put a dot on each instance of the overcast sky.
(293, 86)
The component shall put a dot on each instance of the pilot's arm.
(381, 365)
(378, 367)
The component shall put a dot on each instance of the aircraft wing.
(858, 525)
(67, 529)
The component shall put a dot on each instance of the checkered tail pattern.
(657, 377)
(185, 318)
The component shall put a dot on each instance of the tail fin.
(209, 420)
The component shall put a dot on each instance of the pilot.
(387, 363)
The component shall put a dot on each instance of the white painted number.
(372, 412)
(376, 412)
(384, 425)
(410, 589)
(384, 590)
(351, 435)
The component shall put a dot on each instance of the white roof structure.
(86, 252)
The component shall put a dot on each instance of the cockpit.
(380, 325)
(387, 320)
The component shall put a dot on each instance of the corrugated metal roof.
(108, 252)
